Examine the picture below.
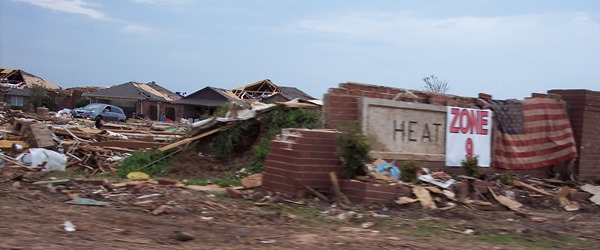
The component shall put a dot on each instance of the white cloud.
(402, 29)
(531, 52)
(69, 6)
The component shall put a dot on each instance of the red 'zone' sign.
(466, 121)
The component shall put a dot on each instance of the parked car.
(100, 111)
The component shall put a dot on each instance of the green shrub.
(507, 178)
(140, 159)
(353, 149)
(409, 171)
(471, 167)
(82, 102)
(225, 142)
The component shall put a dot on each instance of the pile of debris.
(62, 141)
(439, 190)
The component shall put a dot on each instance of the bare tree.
(435, 85)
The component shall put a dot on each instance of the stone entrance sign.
(403, 130)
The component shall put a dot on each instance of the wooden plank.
(128, 144)
(7, 144)
(336, 187)
(316, 193)
(530, 187)
(191, 139)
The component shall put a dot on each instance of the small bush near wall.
(353, 150)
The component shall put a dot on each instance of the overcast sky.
(506, 48)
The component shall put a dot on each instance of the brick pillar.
(300, 157)
(584, 112)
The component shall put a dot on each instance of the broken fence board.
(530, 187)
(128, 144)
(191, 139)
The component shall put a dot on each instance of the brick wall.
(341, 107)
(301, 157)
(584, 113)
(363, 192)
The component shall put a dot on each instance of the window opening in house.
(17, 101)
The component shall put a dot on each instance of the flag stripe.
(509, 142)
(541, 117)
(531, 124)
(538, 150)
(544, 105)
(535, 159)
(528, 165)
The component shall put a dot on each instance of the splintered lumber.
(148, 132)
(513, 205)
(424, 197)
(75, 134)
(336, 187)
(191, 139)
(317, 194)
(7, 144)
(530, 187)
(128, 144)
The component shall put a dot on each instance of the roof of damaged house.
(20, 79)
(139, 91)
(288, 94)
(211, 97)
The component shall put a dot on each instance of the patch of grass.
(198, 182)
(139, 160)
(227, 181)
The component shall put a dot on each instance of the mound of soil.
(192, 164)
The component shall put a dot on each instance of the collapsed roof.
(210, 97)
(20, 79)
(138, 91)
(257, 91)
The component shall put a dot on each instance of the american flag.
(531, 133)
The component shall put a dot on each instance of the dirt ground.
(32, 217)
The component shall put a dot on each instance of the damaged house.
(145, 99)
(16, 85)
(205, 102)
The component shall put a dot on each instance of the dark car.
(100, 111)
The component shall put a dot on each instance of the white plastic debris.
(69, 227)
(54, 161)
(430, 179)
